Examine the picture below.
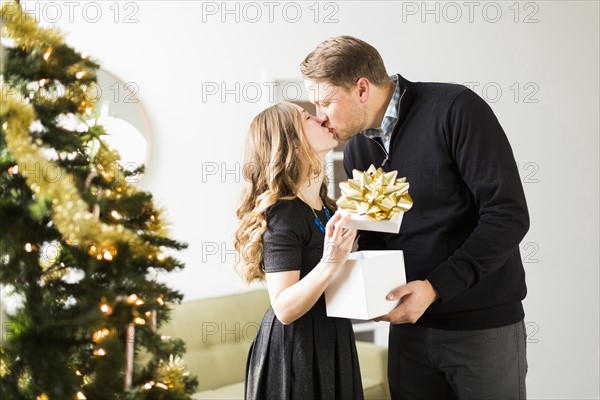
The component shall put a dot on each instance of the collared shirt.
(389, 119)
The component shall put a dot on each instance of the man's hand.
(414, 298)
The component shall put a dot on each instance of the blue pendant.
(319, 225)
(318, 222)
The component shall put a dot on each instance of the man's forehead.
(318, 91)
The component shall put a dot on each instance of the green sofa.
(218, 332)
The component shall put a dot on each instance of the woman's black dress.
(315, 356)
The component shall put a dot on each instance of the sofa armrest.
(373, 365)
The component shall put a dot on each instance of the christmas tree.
(80, 246)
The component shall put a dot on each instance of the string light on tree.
(99, 335)
(100, 352)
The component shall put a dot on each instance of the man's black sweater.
(469, 213)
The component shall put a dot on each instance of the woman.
(288, 238)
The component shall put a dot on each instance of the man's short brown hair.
(342, 60)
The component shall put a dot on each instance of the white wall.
(170, 52)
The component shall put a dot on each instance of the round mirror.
(120, 111)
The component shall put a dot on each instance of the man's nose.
(321, 117)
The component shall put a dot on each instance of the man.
(458, 330)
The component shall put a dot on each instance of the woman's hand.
(338, 240)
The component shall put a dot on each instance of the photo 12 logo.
(453, 12)
(252, 12)
(249, 92)
(53, 12)
(517, 92)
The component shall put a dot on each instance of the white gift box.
(364, 223)
(359, 289)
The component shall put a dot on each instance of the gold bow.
(375, 193)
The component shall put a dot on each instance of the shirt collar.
(391, 114)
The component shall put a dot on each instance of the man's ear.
(363, 87)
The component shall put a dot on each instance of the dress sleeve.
(282, 241)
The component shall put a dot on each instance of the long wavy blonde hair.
(275, 157)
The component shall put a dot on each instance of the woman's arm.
(292, 297)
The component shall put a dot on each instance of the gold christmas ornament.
(172, 373)
(25, 379)
(4, 367)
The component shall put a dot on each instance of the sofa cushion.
(234, 391)
(218, 332)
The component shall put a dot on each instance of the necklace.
(317, 220)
